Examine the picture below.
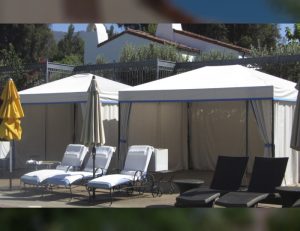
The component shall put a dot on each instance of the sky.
(82, 27)
(64, 27)
(78, 27)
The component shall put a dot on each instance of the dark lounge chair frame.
(267, 174)
(228, 176)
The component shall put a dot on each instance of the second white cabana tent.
(211, 111)
(54, 113)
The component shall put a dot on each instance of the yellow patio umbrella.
(10, 112)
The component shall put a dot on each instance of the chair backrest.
(229, 173)
(102, 159)
(267, 174)
(137, 159)
(74, 156)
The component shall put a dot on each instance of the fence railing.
(132, 73)
(35, 74)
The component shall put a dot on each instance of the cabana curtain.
(262, 110)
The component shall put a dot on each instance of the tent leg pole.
(10, 166)
(273, 122)
(247, 126)
(119, 134)
(188, 137)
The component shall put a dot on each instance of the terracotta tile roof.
(153, 38)
(214, 41)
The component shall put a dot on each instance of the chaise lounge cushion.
(73, 158)
(110, 181)
(136, 165)
(241, 199)
(102, 161)
(227, 176)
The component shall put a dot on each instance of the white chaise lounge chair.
(135, 168)
(69, 179)
(72, 160)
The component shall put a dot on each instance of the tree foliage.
(149, 28)
(100, 59)
(9, 57)
(290, 71)
(244, 35)
(131, 53)
(214, 55)
(71, 47)
(295, 35)
(31, 42)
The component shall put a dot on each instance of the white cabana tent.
(211, 111)
(54, 116)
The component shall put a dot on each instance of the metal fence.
(134, 73)
(35, 74)
(258, 61)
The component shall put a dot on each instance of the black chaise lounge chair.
(267, 174)
(296, 204)
(227, 177)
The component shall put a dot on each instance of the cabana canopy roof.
(71, 89)
(232, 82)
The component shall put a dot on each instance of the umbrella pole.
(10, 166)
(94, 156)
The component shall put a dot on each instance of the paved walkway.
(31, 197)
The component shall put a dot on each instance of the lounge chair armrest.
(137, 175)
(99, 173)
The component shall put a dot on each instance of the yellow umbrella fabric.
(11, 112)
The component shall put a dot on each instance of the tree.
(110, 31)
(215, 31)
(214, 55)
(9, 57)
(131, 53)
(295, 35)
(247, 35)
(149, 28)
(244, 35)
(70, 46)
(31, 42)
(290, 71)
(100, 59)
(91, 27)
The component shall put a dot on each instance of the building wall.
(112, 50)
(203, 46)
(90, 46)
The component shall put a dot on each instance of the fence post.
(47, 72)
(114, 70)
(157, 69)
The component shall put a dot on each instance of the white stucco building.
(187, 43)
(97, 43)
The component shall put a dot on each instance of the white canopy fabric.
(214, 83)
(71, 89)
(215, 110)
(54, 115)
